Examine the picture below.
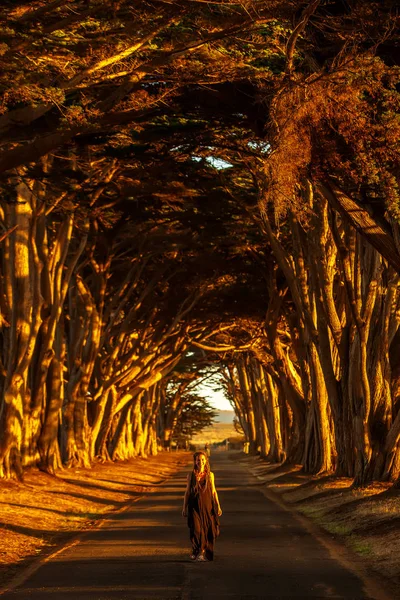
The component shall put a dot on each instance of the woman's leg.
(196, 534)
(209, 547)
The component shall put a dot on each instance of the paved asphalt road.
(143, 553)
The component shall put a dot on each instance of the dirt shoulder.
(45, 511)
(366, 521)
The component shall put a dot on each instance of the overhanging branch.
(362, 221)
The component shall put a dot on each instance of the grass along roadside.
(44, 511)
(338, 529)
(366, 520)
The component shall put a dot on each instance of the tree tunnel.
(200, 185)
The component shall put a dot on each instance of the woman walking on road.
(201, 507)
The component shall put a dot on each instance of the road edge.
(375, 585)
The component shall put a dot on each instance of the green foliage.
(222, 103)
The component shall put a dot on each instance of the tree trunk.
(18, 273)
(48, 446)
(276, 453)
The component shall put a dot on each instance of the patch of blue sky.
(217, 163)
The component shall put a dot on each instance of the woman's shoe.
(193, 556)
(201, 558)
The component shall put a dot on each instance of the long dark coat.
(202, 517)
